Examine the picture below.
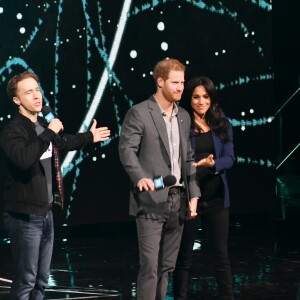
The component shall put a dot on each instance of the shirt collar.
(174, 112)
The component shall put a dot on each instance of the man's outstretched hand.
(100, 134)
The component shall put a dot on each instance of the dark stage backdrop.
(95, 58)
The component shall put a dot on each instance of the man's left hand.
(193, 207)
(100, 134)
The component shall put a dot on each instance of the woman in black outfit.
(211, 139)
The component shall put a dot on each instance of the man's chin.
(39, 109)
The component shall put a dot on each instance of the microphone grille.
(46, 109)
(169, 180)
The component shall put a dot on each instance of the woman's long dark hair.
(214, 117)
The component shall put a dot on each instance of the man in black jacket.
(28, 144)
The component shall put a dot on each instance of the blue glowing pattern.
(244, 80)
(253, 122)
(221, 10)
(251, 161)
(107, 74)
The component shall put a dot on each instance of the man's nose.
(180, 87)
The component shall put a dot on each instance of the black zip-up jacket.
(26, 187)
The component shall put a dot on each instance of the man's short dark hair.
(12, 85)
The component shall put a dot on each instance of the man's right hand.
(56, 125)
(145, 184)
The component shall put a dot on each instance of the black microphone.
(160, 183)
(49, 115)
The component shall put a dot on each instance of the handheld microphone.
(160, 183)
(49, 115)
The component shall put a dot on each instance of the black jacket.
(26, 187)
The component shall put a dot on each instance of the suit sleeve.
(129, 145)
(226, 159)
(194, 191)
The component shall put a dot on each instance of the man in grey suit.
(155, 141)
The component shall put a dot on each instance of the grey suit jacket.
(144, 153)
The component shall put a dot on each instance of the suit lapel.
(182, 138)
(159, 123)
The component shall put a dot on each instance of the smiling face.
(200, 101)
(29, 98)
(172, 88)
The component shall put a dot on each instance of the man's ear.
(16, 101)
(160, 82)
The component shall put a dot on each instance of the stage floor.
(265, 258)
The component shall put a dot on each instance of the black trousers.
(215, 222)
